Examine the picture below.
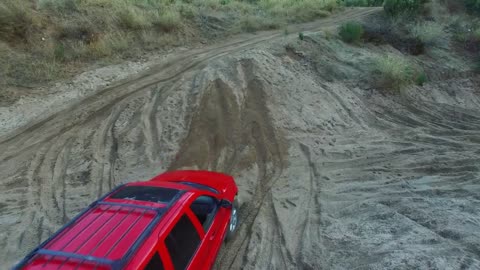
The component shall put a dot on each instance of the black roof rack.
(113, 264)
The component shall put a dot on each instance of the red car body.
(177, 220)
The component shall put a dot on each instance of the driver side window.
(204, 208)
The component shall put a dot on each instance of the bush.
(399, 7)
(421, 78)
(301, 36)
(131, 18)
(15, 20)
(472, 6)
(187, 11)
(397, 72)
(453, 6)
(168, 20)
(109, 45)
(255, 23)
(300, 10)
(351, 32)
(428, 32)
(383, 30)
(363, 3)
(56, 5)
(468, 38)
(476, 33)
(23, 70)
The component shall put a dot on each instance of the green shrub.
(25, 70)
(59, 52)
(421, 78)
(428, 32)
(476, 33)
(15, 20)
(187, 11)
(453, 6)
(132, 18)
(397, 72)
(110, 44)
(398, 7)
(472, 6)
(58, 5)
(299, 10)
(168, 20)
(255, 23)
(363, 3)
(351, 32)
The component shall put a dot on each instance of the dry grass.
(430, 33)
(110, 44)
(133, 19)
(396, 72)
(298, 11)
(168, 20)
(46, 36)
(16, 20)
(252, 23)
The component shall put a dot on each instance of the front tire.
(233, 223)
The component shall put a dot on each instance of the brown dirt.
(331, 176)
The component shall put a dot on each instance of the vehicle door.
(197, 235)
(210, 218)
(183, 242)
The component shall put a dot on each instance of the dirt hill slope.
(332, 174)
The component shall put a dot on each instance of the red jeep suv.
(177, 220)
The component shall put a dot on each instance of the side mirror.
(226, 204)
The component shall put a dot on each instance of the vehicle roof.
(108, 233)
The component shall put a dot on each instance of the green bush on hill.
(363, 3)
(472, 6)
(399, 7)
(351, 32)
(428, 32)
(15, 20)
(396, 72)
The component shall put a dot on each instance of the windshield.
(146, 193)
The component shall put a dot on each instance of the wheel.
(233, 224)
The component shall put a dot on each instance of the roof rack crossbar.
(62, 230)
(104, 237)
(156, 209)
(125, 233)
(136, 245)
(84, 228)
(75, 236)
(69, 255)
(114, 264)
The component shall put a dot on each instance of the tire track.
(108, 97)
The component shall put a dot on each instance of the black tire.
(233, 223)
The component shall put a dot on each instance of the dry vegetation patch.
(63, 34)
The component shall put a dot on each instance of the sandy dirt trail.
(330, 176)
